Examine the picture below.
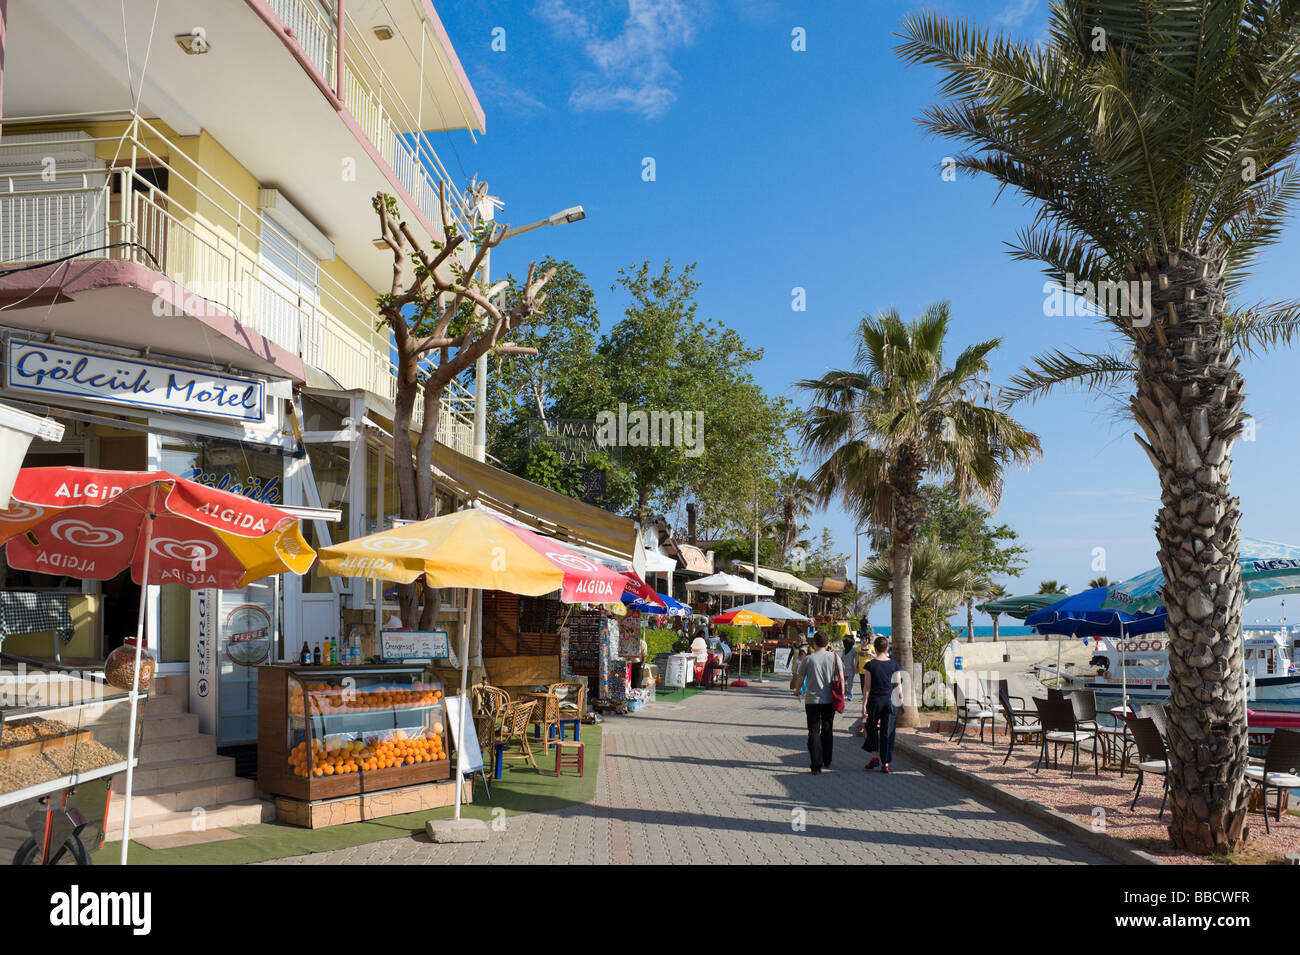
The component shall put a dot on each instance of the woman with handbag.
(884, 694)
(823, 698)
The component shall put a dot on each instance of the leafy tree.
(896, 415)
(659, 358)
(1100, 582)
(1052, 587)
(1157, 143)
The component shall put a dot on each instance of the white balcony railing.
(116, 213)
(384, 116)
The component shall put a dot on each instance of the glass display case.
(335, 731)
(57, 729)
(63, 736)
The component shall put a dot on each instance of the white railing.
(313, 29)
(385, 118)
(117, 214)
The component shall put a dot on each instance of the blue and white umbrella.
(1268, 569)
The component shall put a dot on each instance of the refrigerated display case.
(325, 732)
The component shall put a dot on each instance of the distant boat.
(1271, 676)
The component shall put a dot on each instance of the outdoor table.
(1115, 742)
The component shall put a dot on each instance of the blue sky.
(777, 169)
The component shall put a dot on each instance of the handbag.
(837, 688)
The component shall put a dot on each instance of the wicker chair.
(545, 716)
(1061, 729)
(1152, 756)
(514, 729)
(1281, 769)
(572, 698)
(487, 704)
(968, 710)
(1019, 721)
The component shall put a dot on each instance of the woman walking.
(849, 664)
(884, 692)
(816, 672)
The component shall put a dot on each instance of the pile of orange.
(399, 749)
(326, 697)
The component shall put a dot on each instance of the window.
(290, 294)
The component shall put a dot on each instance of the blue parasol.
(671, 607)
(1085, 615)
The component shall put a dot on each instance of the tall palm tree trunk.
(906, 479)
(970, 619)
(1188, 402)
(900, 630)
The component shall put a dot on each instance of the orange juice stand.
(340, 744)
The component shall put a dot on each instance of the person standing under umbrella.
(884, 692)
(819, 669)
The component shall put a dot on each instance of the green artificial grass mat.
(520, 789)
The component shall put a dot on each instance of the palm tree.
(795, 498)
(995, 592)
(1099, 582)
(942, 579)
(896, 415)
(1052, 587)
(1157, 143)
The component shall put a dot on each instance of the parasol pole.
(135, 679)
(464, 690)
(1123, 671)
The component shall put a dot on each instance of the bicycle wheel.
(71, 852)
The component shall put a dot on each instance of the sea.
(883, 630)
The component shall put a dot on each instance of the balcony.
(158, 208)
(369, 92)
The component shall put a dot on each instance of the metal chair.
(1061, 729)
(1152, 756)
(572, 698)
(1281, 769)
(1019, 722)
(967, 710)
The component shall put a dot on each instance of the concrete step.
(174, 773)
(160, 703)
(206, 795)
(242, 813)
(164, 749)
(161, 725)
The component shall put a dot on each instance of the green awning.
(1019, 607)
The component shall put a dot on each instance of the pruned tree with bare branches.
(438, 306)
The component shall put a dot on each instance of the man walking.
(819, 669)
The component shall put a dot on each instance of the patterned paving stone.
(723, 777)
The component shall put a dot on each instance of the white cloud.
(513, 98)
(1015, 13)
(631, 71)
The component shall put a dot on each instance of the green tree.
(1157, 143)
(1052, 587)
(1100, 582)
(898, 414)
(967, 524)
(661, 357)
(942, 579)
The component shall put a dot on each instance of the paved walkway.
(723, 778)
